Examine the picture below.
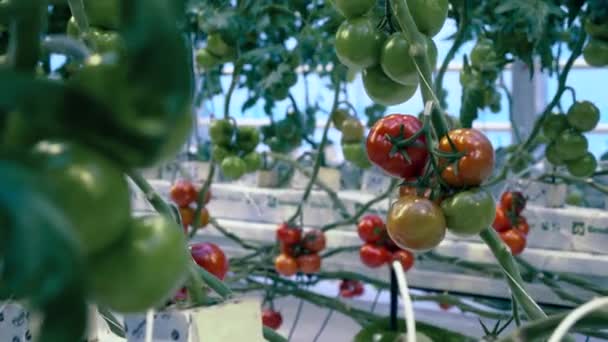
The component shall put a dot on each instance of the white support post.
(529, 97)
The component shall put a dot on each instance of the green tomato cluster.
(390, 74)
(102, 36)
(234, 148)
(478, 79)
(353, 138)
(567, 145)
(595, 51)
(286, 134)
(215, 53)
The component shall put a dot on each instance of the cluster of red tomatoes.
(299, 252)
(184, 194)
(207, 255)
(450, 198)
(509, 222)
(379, 249)
(351, 288)
(272, 319)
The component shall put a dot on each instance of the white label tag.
(210, 323)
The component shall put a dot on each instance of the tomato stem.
(79, 14)
(236, 73)
(24, 36)
(157, 202)
(514, 279)
(200, 201)
(319, 157)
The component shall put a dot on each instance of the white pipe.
(408, 308)
(149, 325)
(574, 316)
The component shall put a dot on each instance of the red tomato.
(371, 228)
(183, 193)
(406, 258)
(522, 225)
(502, 222)
(515, 240)
(513, 201)
(379, 146)
(314, 240)
(477, 163)
(309, 263)
(374, 256)
(287, 249)
(210, 257)
(445, 306)
(286, 265)
(187, 215)
(351, 288)
(272, 319)
(289, 235)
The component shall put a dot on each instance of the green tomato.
(338, 117)
(469, 212)
(219, 153)
(382, 90)
(217, 47)
(554, 125)
(104, 14)
(356, 154)
(491, 96)
(429, 15)
(205, 60)
(247, 139)
(482, 53)
(253, 161)
(221, 132)
(290, 78)
(396, 62)
(583, 116)
(595, 52)
(233, 167)
(352, 130)
(354, 8)
(72, 29)
(104, 41)
(80, 178)
(358, 43)
(143, 269)
(575, 197)
(597, 31)
(582, 167)
(280, 92)
(552, 155)
(571, 145)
